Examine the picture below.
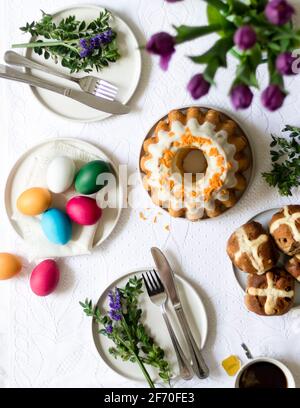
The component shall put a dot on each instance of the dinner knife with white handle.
(95, 102)
(166, 274)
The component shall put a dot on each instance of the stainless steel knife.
(95, 102)
(199, 366)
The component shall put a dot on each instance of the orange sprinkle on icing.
(229, 166)
(214, 183)
(213, 152)
(171, 134)
(220, 160)
(167, 158)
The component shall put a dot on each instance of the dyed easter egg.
(86, 179)
(10, 265)
(57, 226)
(83, 210)
(34, 201)
(60, 174)
(44, 278)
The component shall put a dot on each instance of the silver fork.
(159, 297)
(88, 83)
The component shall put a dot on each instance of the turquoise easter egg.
(57, 226)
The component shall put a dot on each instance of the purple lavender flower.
(109, 329)
(87, 46)
(284, 63)
(272, 97)
(245, 37)
(162, 44)
(198, 86)
(279, 12)
(241, 96)
(115, 305)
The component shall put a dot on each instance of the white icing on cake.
(195, 191)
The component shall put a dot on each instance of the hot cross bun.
(251, 249)
(270, 294)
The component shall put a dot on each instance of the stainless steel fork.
(88, 83)
(159, 297)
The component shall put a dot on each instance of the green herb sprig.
(285, 156)
(71, 41)
(123, 326)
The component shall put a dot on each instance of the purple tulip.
(272, 97)
(162, 44)
(279, 12)
(245, 37)
(198, 86)
(241, 96)
(284, 63)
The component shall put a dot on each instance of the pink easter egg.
(83, 210)
(44, 278)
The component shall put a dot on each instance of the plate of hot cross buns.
(265, 254)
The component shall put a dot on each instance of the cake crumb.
(159, 213)
(155, 220)
(142, 216)
(167, 227)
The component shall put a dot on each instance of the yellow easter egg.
(10, 265)
(34, 201)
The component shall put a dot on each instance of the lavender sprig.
(122, 324)
(77, 45)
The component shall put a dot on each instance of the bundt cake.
(224, 158)
(285, 229)
(270, 294)
(293, 266)
(251, 249)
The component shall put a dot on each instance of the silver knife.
(95, 102)
(199, 366)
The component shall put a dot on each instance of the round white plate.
(17, 182)
(264, 218)
(125, 73)
(195, 312)
(248, 174)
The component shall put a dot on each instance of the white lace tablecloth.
(47, 342)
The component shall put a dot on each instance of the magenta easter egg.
(83, 210)
(44, 278)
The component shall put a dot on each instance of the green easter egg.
(86, 179)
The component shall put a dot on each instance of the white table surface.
(47, 342)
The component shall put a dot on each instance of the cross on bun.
(251, 249)
(270, 294)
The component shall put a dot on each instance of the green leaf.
(215, 17)
(210, 71)
(217, 4)
(188, 33)
(217, 51)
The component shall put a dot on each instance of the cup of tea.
(264, 372)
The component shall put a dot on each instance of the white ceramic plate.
(153, 320)
(18, 181)
(248, 174)
(264, 218)
(125, 73)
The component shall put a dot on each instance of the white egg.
(60, 174)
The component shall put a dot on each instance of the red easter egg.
(83, 210)
(44, 278)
